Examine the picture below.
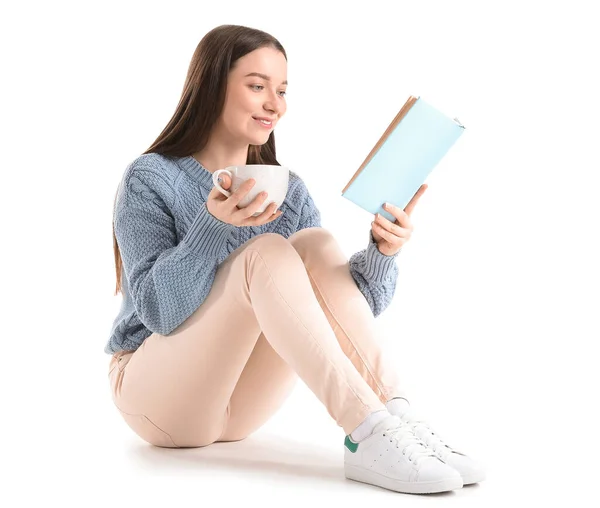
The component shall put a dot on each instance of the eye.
(282, 92)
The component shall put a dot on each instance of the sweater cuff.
(378, 265)
(207, 234)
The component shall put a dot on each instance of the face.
(251, 97)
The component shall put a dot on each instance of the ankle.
(365, 429)
(397, 406)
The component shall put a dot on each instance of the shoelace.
(430, 438)
(404, 438)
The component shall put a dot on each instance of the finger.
(270, 214)
(400, 215)
(215, 193)
(257, 203)
(249, 211)
(276, 215)
(390, 226)
(225, 181)
(267, 216)
(413, 201)
(385, 234)
(376, 236)
(243, 189)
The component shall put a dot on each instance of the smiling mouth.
(264, 123)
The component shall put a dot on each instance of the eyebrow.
(264, 76)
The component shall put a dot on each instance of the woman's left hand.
(391, 236)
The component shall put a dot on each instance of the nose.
(272, 104)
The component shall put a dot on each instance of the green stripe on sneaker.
(351, 445)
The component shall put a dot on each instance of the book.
(400, 162)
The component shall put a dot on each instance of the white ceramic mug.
(269, 178)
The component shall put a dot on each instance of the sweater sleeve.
(375, 273)
(167, 280)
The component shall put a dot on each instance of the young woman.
(222, 311)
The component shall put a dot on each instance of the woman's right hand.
(225, 208)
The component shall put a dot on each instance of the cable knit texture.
(172, 246)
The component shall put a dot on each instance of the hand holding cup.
(226, 208)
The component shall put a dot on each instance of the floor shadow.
(263, 454)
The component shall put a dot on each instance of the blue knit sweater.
(171, 246)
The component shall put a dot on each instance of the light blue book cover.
(408, 151)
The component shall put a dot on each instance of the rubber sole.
(359, 474)
(475, 478)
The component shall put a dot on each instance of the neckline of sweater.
(197, 171)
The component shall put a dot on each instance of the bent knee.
(267, 243)
(312, 236)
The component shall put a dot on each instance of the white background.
(494, 323)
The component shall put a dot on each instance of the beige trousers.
(278, 309)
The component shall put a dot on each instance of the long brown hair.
(203, 99)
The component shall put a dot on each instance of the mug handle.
(215, 179)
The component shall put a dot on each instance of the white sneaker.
(394, 458)
(470, 471)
